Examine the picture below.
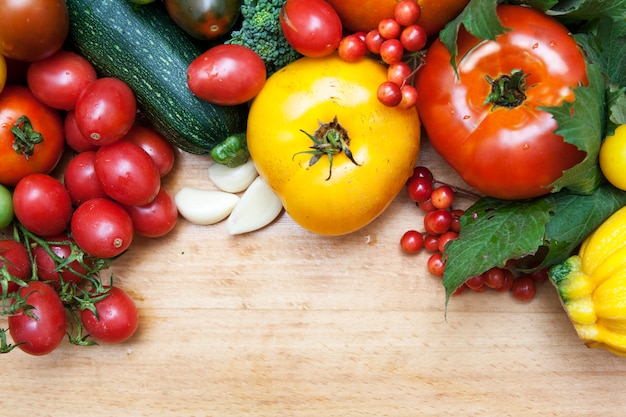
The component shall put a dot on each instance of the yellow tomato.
(3, 72)
(613, 158)
(322, 188)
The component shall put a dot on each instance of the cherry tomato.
(102, 228)
(14, 256)
(42, 204)
(41, 330)
(204, 19)
(155, 145)
(49, 270)
(58, 80)
(74, 137)
(344, 193)
(38, 143)
(81, 180)
(312, 27)
(6, 207)
(31, 30)
(156, 218)
(364, 15)
(227, 75)
(105, 110)
(127, 173)
(117, 320)
(613, 158)
(509, 149)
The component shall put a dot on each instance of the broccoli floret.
(260, 31)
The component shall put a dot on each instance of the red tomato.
(74, 137)
(117, 320)
(227, 75)
(312, 27)
(42, 329)
(47, 268)
(102, 228)
(59, 79)
(204, 19)
(155, 145)
(42, 204)
(157, 218)
(127, 173)
(105, 110)
(508, 151)
(81, 180)
(33, 29)
(14, 256)
(39, 144)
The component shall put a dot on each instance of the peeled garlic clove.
(205, 206)
(233, 180)
(258, 207)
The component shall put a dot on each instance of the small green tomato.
(6, 207)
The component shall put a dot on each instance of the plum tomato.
(15, 258)
(127, 173)
(105, 110)
(31, 135)
(58, 80)
(102, 228)
(156, 218)
(312, 27)
(117, 319)
(338, 155)
(31, 30)
(42, 204)
(49, 270)
(504, 148)
(40, 330)
(80, 178)
(204, 19)
(6, 207)
(155, 145)
(227, 75)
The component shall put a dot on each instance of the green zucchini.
(143, 47)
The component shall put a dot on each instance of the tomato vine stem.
(507, 90)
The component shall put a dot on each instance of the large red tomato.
(31, 135)
(364, 15)
(509, 150)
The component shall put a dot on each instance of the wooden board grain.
(281, 322)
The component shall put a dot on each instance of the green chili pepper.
(232, 151)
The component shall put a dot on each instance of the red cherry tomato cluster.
(68, 229)
(398, 41)
(442, 224)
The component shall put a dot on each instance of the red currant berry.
(431, 243)
(407, 12)
(426, 205)
(389, 94)
(413, 38)
(437, 222)
(507, 281)
(351, 48)
(539, 275)
(443, 197)
(455, 226)
(523, 288)
(444, 239)
(409, 96)
(412, 241)
(436, 264)
(389, 28)
(391, 51)
(475, 283)
(422, 172)
(399, 72)
(419, 189)
(494, 277)
(373, 40)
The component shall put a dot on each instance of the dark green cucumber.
(144, 48)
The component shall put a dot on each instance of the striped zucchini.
(143, 47)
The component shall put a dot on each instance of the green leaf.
(540, 232)
(589, 9)
(582, 123)
(479, 18)
(492, 232)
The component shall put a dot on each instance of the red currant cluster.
(397, 41)
(442, 224)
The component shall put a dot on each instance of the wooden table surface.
(281, 322)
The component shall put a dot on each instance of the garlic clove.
(205, 206)
(258, 207)
(233, 180)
